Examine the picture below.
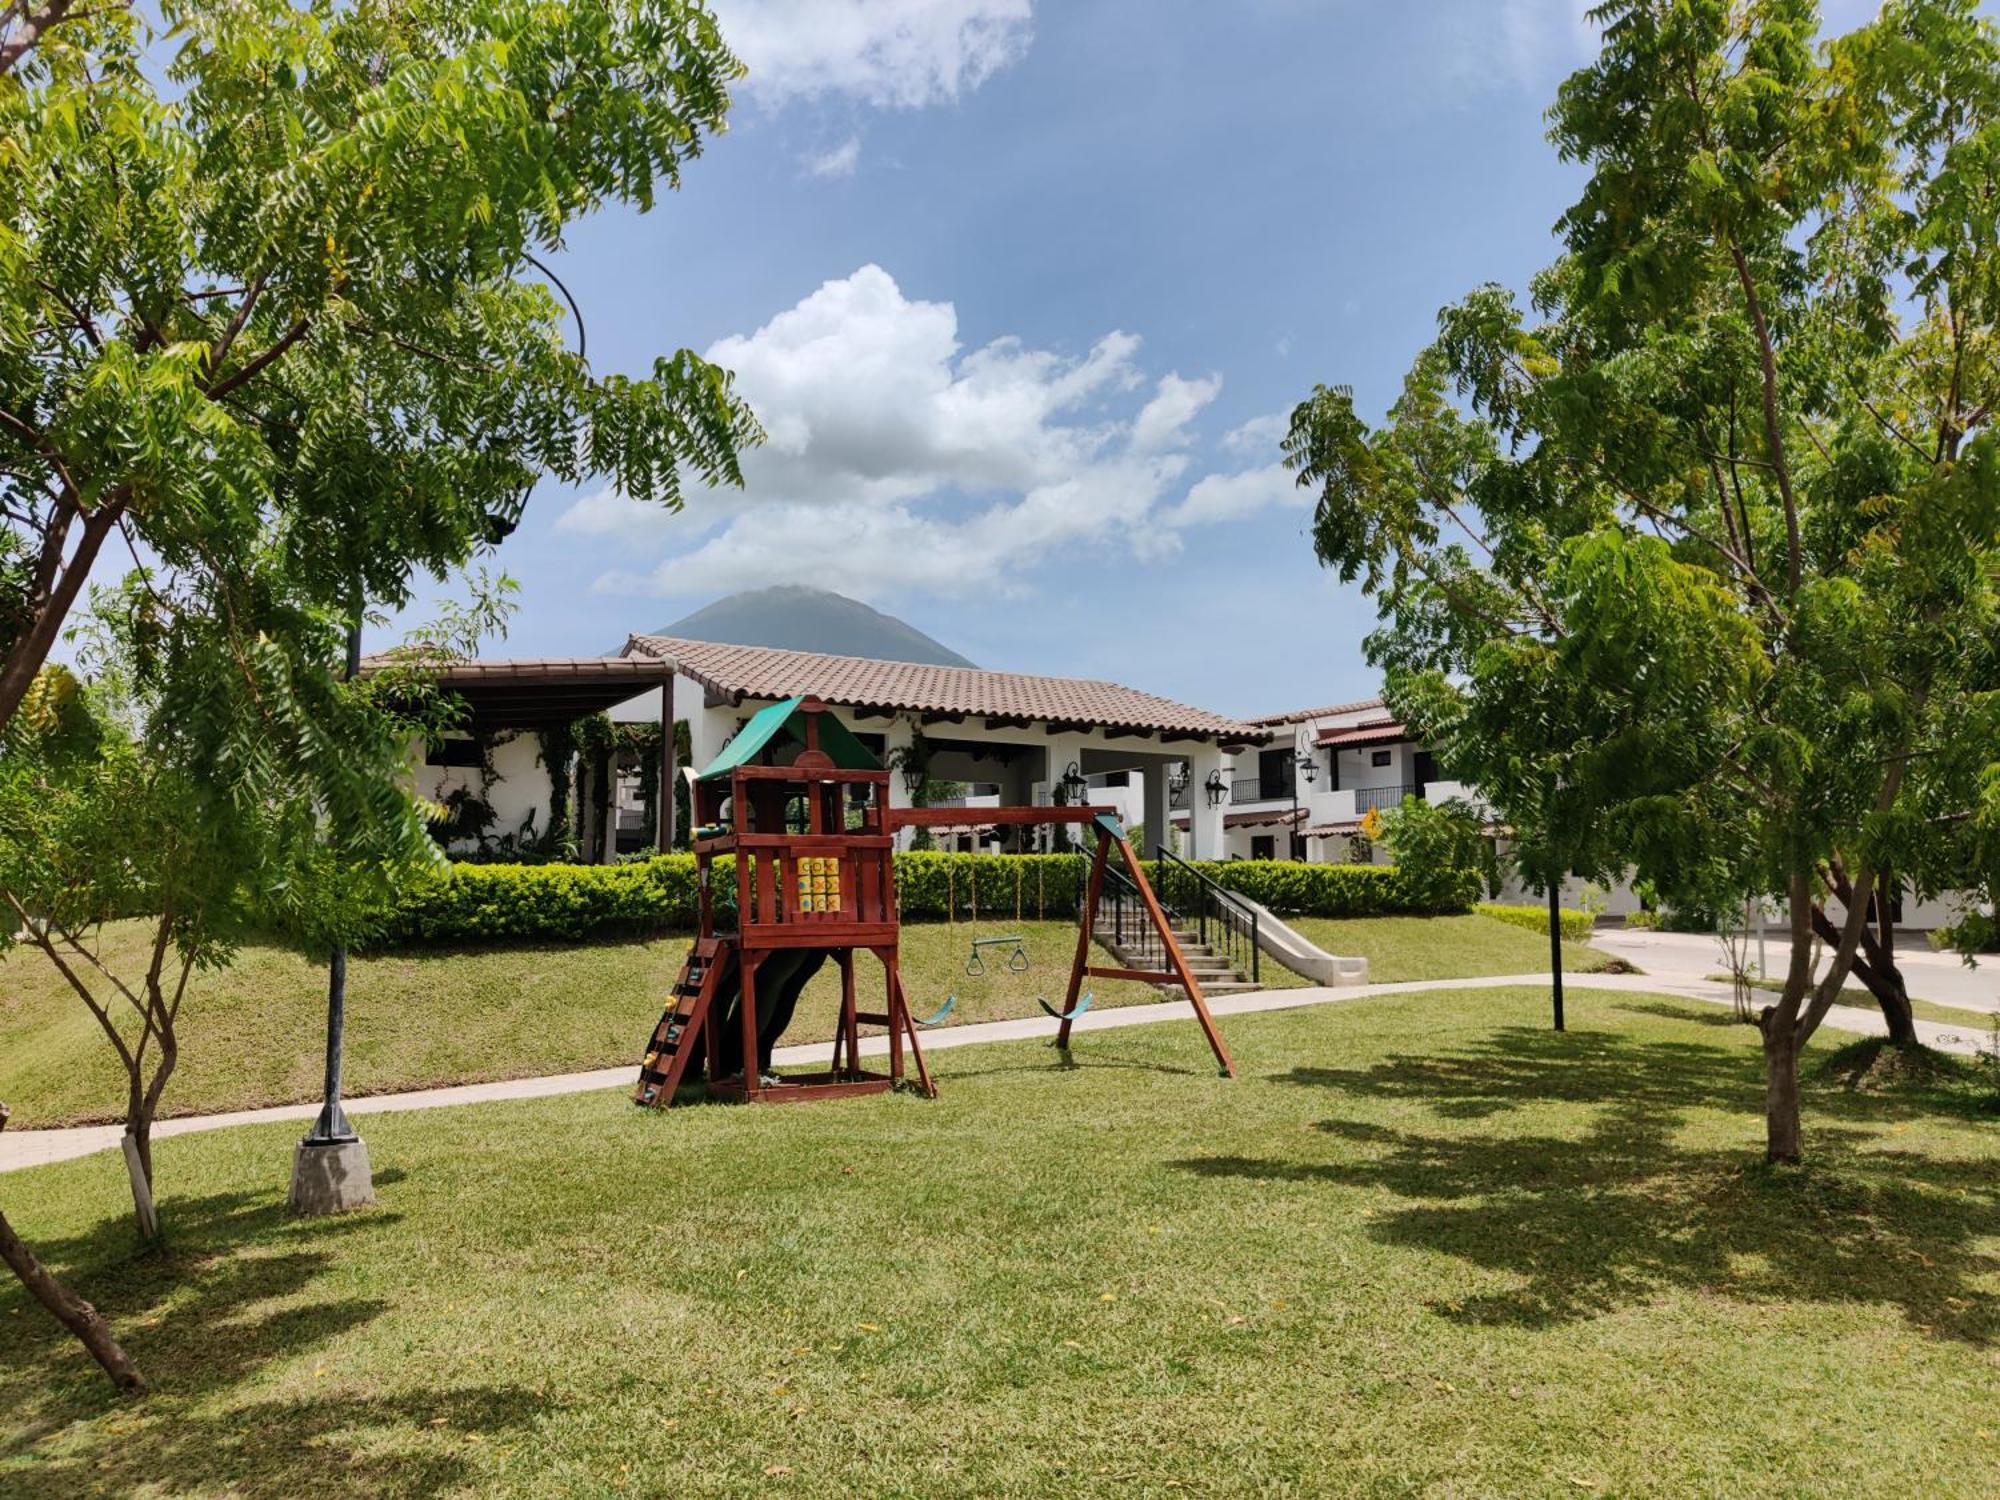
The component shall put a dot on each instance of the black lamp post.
(325, 1177)
(331, 1128)
(1555, 906)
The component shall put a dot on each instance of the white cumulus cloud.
(897, 459)
(1259, 435)
(839, 162)
(1230, 497)
(1162, 421)
(899, 54)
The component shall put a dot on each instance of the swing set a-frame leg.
(902, 1025)
(1156, 914)
(1173, 950)
(1085, 931)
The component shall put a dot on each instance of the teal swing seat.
(936, 1017)
(1072, 1013)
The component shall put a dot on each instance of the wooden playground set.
(799, 807)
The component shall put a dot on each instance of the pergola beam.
(993, 817)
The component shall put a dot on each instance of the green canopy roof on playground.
(782, 721)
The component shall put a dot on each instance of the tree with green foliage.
(1711, 538)
(277, 322)
(274, 322)
(1441, 850)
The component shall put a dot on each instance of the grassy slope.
(251, 1034)
(1423, 1245)
(1407, 948)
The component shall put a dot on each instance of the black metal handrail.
(1261, 788)
(1192, 902)
(1384, 798)
(1124, 923)
(1221, 918)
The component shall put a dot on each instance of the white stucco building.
(1017, 739)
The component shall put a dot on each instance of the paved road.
(29, 1148)
(1941, 978)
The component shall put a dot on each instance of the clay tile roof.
(1262, 819)
(1333, 830)
(1253, 819)
(1299, 716)
(860, 682)
(1376, 732)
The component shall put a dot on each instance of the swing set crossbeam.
(1142, 976)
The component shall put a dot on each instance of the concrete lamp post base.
(330, 1177)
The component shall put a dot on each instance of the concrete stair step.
(1214, 973)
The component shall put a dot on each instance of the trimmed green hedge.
(474, 903)
(1295, 889)
(1577, 925)
(927, 880)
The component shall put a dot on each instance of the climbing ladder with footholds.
(680, 1028)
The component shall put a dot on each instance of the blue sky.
(1022, 289)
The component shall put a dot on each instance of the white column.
(1153, 801)
(1205, 821)
(1063, 749)
(896, 737)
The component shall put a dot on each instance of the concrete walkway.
(1941, 978)
(31, 1148)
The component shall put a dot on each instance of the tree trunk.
(75, 1314)
(138, 1147)
(1891, 993)
(1783, 1139)
(1875, 960)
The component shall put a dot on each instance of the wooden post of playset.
(829, 890)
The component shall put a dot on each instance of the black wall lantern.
(1217, 789)
(915, 777)
(1074, 785)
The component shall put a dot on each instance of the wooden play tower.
(794, 849)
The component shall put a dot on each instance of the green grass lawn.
(1399, 949)
(1422, 1246)
(250, 1034)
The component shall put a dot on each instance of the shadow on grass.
(1072, 1061)
(335, 1445)
(1620, 1211)
(227, 1290)
(1695, 1012)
